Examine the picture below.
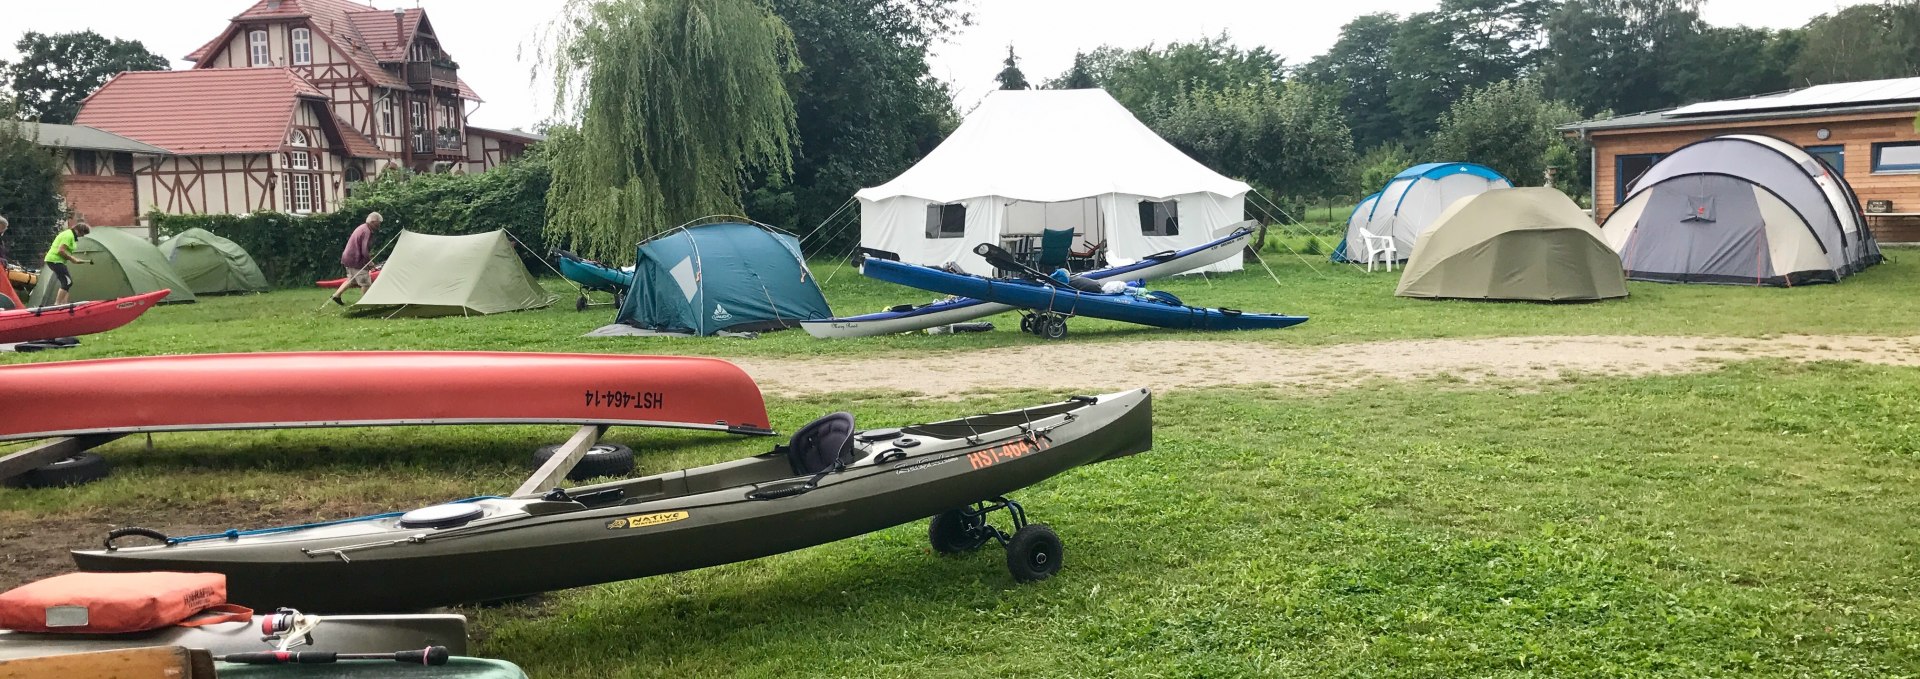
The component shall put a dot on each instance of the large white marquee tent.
(1030, 160)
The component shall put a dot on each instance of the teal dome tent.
(726, 276)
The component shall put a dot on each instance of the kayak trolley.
(1033, 550)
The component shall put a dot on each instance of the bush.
(294, 251)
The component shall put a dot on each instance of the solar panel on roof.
(1837, 94)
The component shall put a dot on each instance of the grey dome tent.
(210, 264)
(1513, 244)
(1741, 210)
(727, 276)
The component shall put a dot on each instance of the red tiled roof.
(386, 38)
(206, 111)
(356, 145)
(331, 17)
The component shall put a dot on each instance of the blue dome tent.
(726, 276)
(1410, 202)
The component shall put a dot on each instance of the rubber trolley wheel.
(1034, 553)
(603, 459)
(1026, 323)
(580, 303)
(955, 532)
(73, 471)
(1053, 327)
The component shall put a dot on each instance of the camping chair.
(1055, 247)
(1376, 246)
(1091, 258)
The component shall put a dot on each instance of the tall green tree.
(1358, 66)
(1141, 77)
(30, 178)
(1620, 54)
(1010, 77)
(866, 107)
(1077, 77)
(1862, 42)
(55, 72)
(676, 101)
(1287, 139)
(1437, 56)
(1508, 126)
(1728, 62)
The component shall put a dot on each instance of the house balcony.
(425, 74)
(446, 143)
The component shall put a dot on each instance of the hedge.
(295, 251)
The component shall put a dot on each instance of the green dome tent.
(1518, 244)
(211, 264)
(123, 265)
(454, 276)
(729, 277)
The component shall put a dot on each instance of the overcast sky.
(496, 41)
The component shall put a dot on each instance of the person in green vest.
(62, 252)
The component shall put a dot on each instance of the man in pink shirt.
(358, 257)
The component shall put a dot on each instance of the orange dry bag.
(111, 603)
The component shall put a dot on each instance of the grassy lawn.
(1346, 304)
(1756, 521)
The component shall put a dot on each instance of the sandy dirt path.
(1168, 365)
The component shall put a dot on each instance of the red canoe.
(377, 388)
(335, 282)
(79, 318)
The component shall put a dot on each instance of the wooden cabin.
(1864, 130)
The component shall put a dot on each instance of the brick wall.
(102, 199)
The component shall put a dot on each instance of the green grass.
(1756, 521)
(1346, 304)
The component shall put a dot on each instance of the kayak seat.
(823, 445)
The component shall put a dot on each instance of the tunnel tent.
(1026, 161)
(210, 264)
(728, 276)
(123, 265)
(1741, 210)
(429, 275)
(1407, 205)
(1530, 244)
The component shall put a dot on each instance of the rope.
(358, 272)
(828, 220)
(841, 263)
(1283, 243)
(543, 260)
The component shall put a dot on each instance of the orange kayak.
(378, 388)
(79, 318)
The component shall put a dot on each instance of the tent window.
(1159, 218)
(1835, 156)
(1897, 157)
(946, 221)
(1628, 168)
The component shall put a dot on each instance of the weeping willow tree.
(673, 102)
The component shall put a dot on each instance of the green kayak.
(830, 483)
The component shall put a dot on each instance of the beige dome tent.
(454, 276)
(1521, 244)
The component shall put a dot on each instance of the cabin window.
(1897, 157)
(946, 221)
(1628, 168)
(85, 164)
(1159, 218)
(302, 46)
(298, 160)
(257, 47)
(123, 164)
(386, 117)
(302, 193)
(1834, 155)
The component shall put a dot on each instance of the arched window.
(257, 47)
(355, 174)
(297, 138)
(302, 46)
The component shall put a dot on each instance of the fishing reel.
(288, 628)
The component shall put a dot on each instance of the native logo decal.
(645, 520)
(720, 314)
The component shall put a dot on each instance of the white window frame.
(302, 193)
(299, 160)
(302, 47)
(386, 116)
(257, 48)
(297, 138)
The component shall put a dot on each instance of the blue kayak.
(592, 275)
(907, 318)
(1055, 300)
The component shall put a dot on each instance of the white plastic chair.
(1376, 246)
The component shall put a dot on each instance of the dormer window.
(302, 46)
(257, 47)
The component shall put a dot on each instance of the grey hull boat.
(832, 482)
